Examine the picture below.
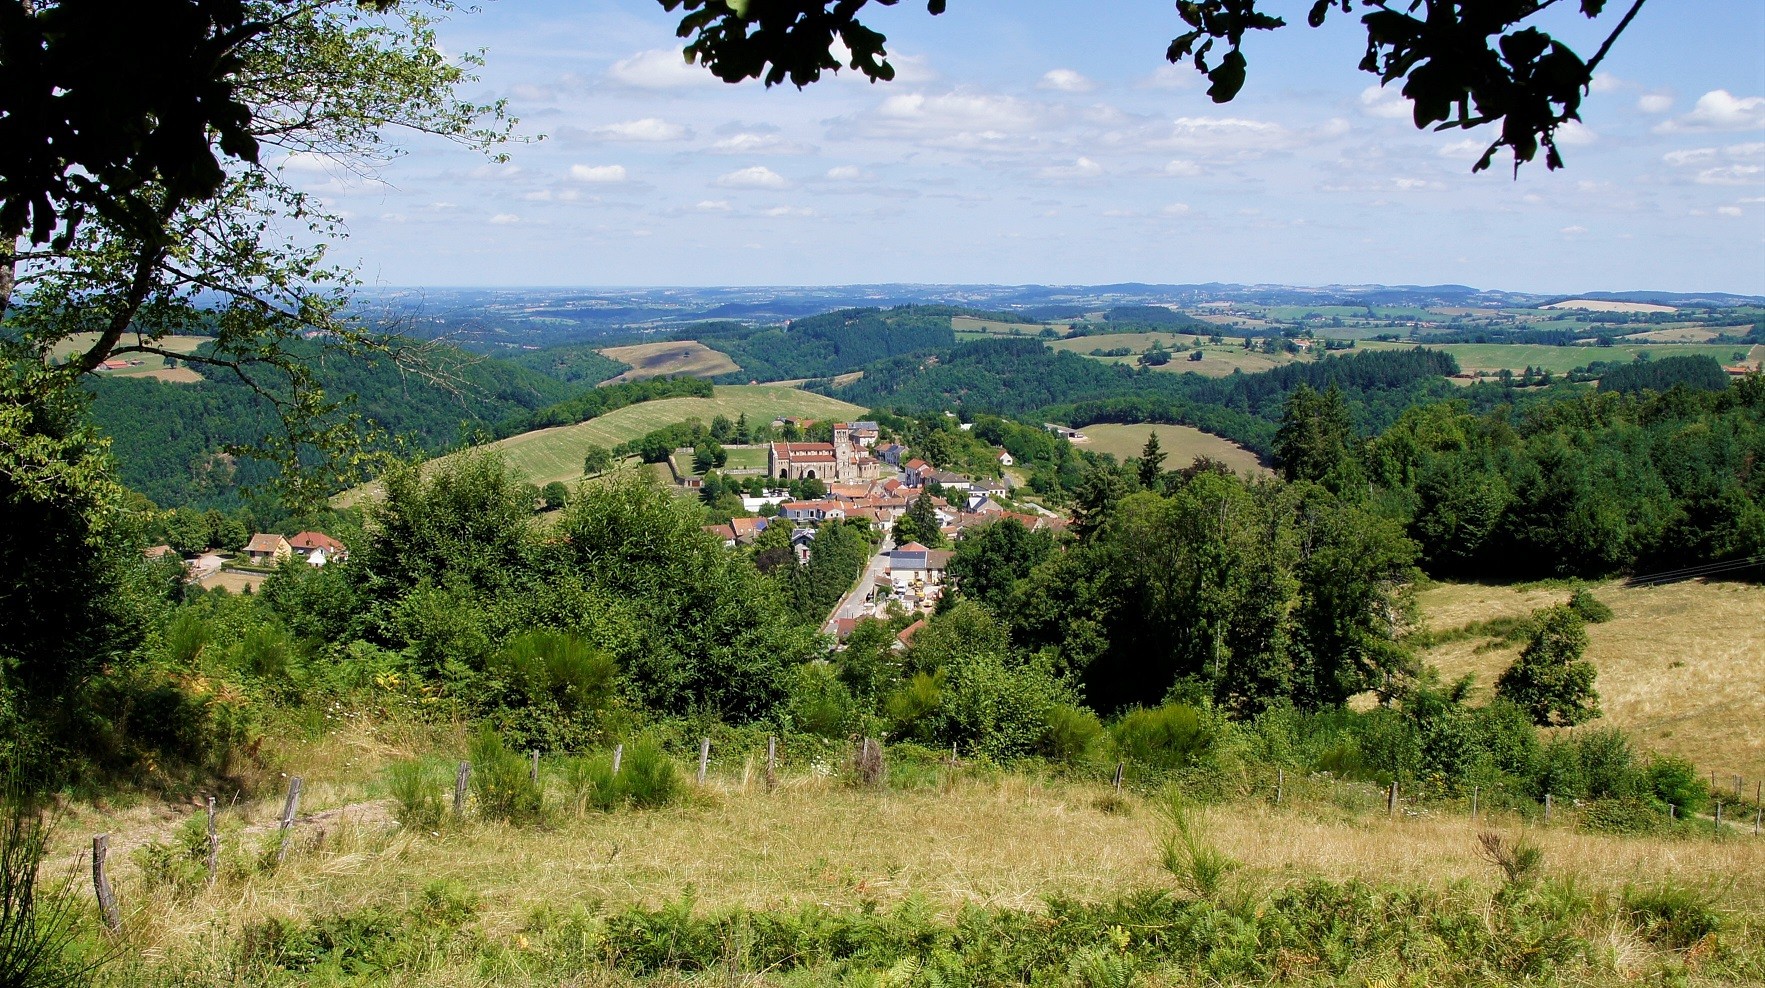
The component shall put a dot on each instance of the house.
(723, 532)
(980, 504)
(267, 549)
(905, 638)
(747, 529)
(1005, 459)
(915, 471)
(892, 453)
(307, 543)
(848, 492)
(812, 510)
(865, 433)
(841, 461)
(952, 482)
(991, 488)
(1065, 432)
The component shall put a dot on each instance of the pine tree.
(1151, 463)
(1550, 681)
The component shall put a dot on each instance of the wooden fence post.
(1118, 778)
(1280, 784)
(289, 808)
(462, 775)
(101, 884)
(771, 763)
(704, 758)
(1547, 807)
(1391, 800)
(1719, 818)
(1739, 788)
(533, 769)
(1672, 811)
(1473, 802)
(618, 756)
(214, 845)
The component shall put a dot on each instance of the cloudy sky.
(1035, 141)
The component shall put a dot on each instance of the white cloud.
(1377, 101)
(958, 119)
(1654, 103)
(504, 219)
(845, 173)
(551, 195)
(1470, 147)
(1175, 209)
(749, 143)
(1606, 82)
(1182, 168)
(1690, 156)
(494, 172)
(1732, 175)
(1416, 184)
(1729, 210)
(1235, 136)
(660, 68)
(1065, 81)
(790, 211)
(1721, 110)
(306, 161)
(1082, 168)
(598, 174)
(1170, 77)
(647, 129)
(755, 177)
(1573, 230)
(713, 206)
(1574, 133)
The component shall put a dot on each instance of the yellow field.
(1602, 305)
(1181, 444)
(1218, 360)
(667, 359)
(969, 324)
(1681, 667)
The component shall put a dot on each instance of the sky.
(1043, 142)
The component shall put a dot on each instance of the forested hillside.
(1017, 377)
(828, 344)
(170, 439)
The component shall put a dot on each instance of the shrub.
(819, 703)
(1071, 734)
(1518, 861)
(648, 778)
(1622, 816)
(417, 788)
(501, 782)
(1672, 915)
(179, 865)
(1589, 607)
(1676, 782)
(1607, 764)
(37, 924)
(1169, 737)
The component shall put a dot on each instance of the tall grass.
(417, 788)
(38, 925)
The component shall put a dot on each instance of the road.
(853, 603)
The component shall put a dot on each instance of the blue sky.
(1048, 142)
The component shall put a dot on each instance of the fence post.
(289, 808)
(1391, 800)
(771, 763)
(704, 758)
(533, 770)
(1118, 778)
(1547, 807)
(618, 755)
(1719, 818)
(214, 845)
(1672, 811)
(101, 884)
(1473, 803)
(1739, 788)
(462, 775)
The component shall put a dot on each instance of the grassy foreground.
(975, 876)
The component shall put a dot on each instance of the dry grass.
(1006, 843)
(669, 359)
(234, 581)
(1181, 443)
(1681, 667)
(1602, 305)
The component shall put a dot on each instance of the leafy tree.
(1550, 680)
(553, 495)
(1463, 65)
(1315, 435)
(597, 459)
(988, 563)
(919, 524)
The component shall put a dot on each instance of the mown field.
(1180, 443)
(153, 365)
(968, 327)
(669, 359)
(1218, 360)
(1516, 357)
(1681, 667)
(556, 454)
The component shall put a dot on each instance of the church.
(839, 462)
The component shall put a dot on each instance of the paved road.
(853, 603)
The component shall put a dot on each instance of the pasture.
(669, 359)
(1680, 666)
(1181, 444)
(1218, 360)
(152, 364)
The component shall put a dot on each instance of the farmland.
(1180, 443)
(1218, 360)
(152, 364)
(1516, 357)
(1679, 665)
(669, 359)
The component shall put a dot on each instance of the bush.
(1168, 737)
(501, 782)
(1672, 916)
(417, 788)
(1676, 782)
(1588, 607)
(1623, 816)
(649, 778)
(1185, 851)
(1072, 734)
(820, 704)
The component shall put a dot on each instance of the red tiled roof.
(315, 540)
(911, 547)
(264, 543)
(907, 633)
